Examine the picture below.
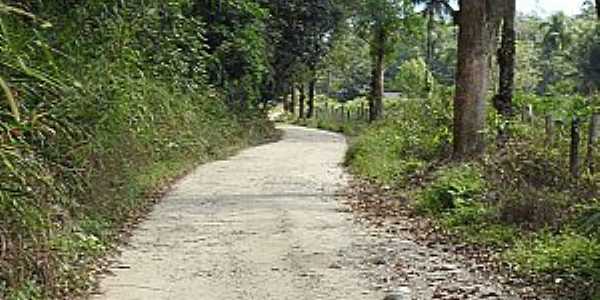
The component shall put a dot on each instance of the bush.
(402, 144)
(453, 187)
(410, 80)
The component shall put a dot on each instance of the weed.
(563, 254)
(454, 187)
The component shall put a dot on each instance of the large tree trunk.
(598, 9)
(377, 73)
(311, 97)
(302, 100)
(506, 62)
(474, 41)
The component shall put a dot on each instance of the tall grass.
(100, 108)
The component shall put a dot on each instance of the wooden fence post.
(575, 141)
(527, 114)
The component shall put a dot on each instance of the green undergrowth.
(103, 109)
(399, 148)
(519, 201)
(52, 242)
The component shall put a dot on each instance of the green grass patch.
(455, 187)
(563, 254)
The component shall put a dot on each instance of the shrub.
(402, 144)
(410, 80)
(453, 187)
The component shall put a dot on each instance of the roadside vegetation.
(530, 197)
(518, 200)
(104, 103)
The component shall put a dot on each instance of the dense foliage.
(103, 102)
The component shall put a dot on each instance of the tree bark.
(598, 9)
(506, 62)
(474, 41)
(311, 97)
(302, 100)
(377, 73)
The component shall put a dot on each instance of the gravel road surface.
(267, 224)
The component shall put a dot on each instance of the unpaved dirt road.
(266, 224)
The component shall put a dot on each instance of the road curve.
(263, 224)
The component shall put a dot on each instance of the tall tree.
(301, 33)
(377, 73)
(323, 18)
(380, 23)
(477, 19)
(235, 40)
(432, 8)
(348, 66)
(506, 62)
(554, 39)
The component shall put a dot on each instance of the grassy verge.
(518, 202)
